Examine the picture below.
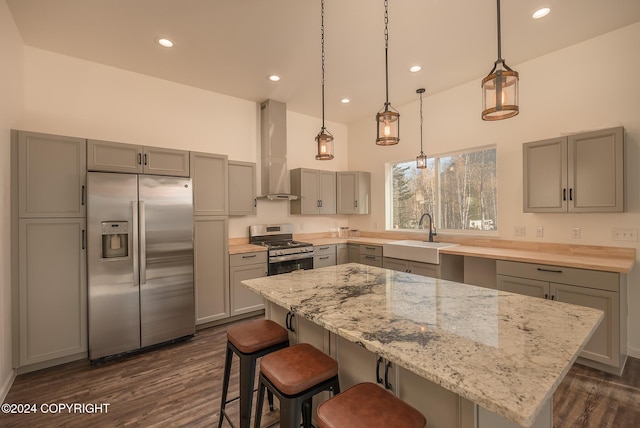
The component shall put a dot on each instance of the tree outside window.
(459, 190)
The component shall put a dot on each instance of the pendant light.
(421, 159)
(388, 118)
(500, 88)
(324, 139)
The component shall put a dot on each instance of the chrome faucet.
(432, 232)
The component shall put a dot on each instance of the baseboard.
(6, 385)
(633, 351)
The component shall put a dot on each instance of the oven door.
(278, 265)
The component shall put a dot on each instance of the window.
(459, 190)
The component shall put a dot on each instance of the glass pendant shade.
(500, 94)
(388, 127)
(324, 139)
(421, 161)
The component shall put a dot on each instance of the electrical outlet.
(575, 232)
(625, 234)
(539, 231)
(519, 230)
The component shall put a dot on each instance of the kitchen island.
(502, 354)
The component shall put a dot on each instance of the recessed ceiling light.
(415, 69)
(345, 100)
(273, 77)
(541, 13)
(165, 42)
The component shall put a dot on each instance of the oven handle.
(299, 256)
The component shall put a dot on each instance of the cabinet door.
(424, 269)
(209, 173)
(327, 180)
(52, 289)
(160, 161)
(356, 364)
(596, 171)
(242, 188)
(210, 268)
(309, 195)
(346, 198)
(545, 175)
(604, 345)
(528, 287)
(395, 264)
(244, 300)
(114, 157)
(52, 173)
(342, 255)
(353, 251)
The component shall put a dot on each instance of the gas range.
(285, 254)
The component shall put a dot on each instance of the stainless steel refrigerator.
(140, 261)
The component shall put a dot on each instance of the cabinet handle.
(549, 270)
(145, 159)
(546, 296)
(571, 194)
(320, 203)
(288, 322)
(370, 248)
(355, 204)
(84, 239)
(139, 158)
(564, 194)
(249, 256)
(387, 384)
(553, 297)
(408, 270)
(323, 248)
(378, 378)
(82, 196)
(323, 258)
(370, 257)
(255, 202)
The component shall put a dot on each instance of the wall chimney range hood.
(273, 153)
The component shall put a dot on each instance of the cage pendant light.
(388, 118)
(500, 88)
(324, 139)
(421, 159)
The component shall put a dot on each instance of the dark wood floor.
(179, 385)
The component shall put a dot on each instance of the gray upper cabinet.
(578, 173)
(120, 157)
(316, 191)
(210, 174)
(51, 175)
(353, 192)
(242, 188)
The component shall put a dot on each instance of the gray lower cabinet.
(211, 276)
(342, 254)
(353, 253)
(110, 156)
(242, 188)
(210, 191)
(417, 268)
(51, 175)
(242, 267)
(371, 255)
(52, 290)
(324, 255)
(607, 349)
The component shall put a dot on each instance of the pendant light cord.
(499, 36)
(386, 49)
(420, 91)
(322, 42)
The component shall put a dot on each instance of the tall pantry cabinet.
(48, 244)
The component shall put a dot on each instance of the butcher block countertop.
(608, 259)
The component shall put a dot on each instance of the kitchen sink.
(414, 250)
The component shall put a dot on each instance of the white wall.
(589, 85)
(11, 107)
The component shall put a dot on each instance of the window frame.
(437, 220)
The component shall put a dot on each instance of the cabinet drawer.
(372, 250)
(565, 275)
(247, 258)
(323, 250)
(322, 261)
(367, 259)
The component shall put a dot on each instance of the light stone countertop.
(505, 352)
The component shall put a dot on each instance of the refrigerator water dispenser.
(115, 239)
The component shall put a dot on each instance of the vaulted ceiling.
(230, 47)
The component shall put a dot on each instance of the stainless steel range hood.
(273, 136)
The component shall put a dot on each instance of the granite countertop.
(505, 352)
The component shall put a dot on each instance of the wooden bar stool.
(368, 405)
(249, 341)
(294, 375)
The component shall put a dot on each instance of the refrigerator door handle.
(143, 245)
(134, 249)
